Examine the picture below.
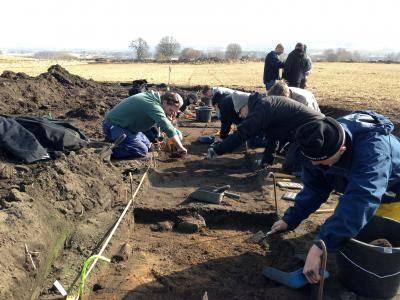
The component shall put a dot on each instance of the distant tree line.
(170, 49)
(338, 55)
(395, 57)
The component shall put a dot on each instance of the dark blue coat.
(271, 67)
(228, 115)
(369, 167)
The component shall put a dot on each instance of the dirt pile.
(42, 205)
(71, 199)
(59, 94)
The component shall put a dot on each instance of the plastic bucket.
(207, 101)
(368, 270)
(203, 114)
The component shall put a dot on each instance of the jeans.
(134, 146)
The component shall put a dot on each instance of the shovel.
(106, 152)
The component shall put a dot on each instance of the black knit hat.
(320, 139)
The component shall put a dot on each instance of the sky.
(205, 24)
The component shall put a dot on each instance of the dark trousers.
(135, 145)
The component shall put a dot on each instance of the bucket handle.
(369, 272)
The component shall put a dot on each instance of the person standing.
(295, 66)
(272, 66)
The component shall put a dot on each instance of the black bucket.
(203, 114)
(368, 270)
(207, 101)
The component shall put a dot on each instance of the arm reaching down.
(177, 141)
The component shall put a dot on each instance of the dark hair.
(217, 97)
(205, 89)
(162, 86)
(170, 98)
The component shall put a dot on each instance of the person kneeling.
(137, 114)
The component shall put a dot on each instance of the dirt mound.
(42, 205)
(59, 94)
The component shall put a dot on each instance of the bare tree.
(233, 51)
(141, 48)
(190, 54)
(167, 48)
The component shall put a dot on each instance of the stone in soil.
(190, 224)
(162, 226)
(16, 195)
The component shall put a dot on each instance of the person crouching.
(137, 114)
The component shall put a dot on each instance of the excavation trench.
(167, 264)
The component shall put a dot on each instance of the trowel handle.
(222, 188)
(232, 195)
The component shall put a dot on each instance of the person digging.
(357, 156)
(137, 114)
(274, 117)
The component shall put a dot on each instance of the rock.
(162, 226)
(16, 195)
(78, 208)
(123, 254)
(191, 224)
(6, 171)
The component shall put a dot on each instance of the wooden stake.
(30, 257)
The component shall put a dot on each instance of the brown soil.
(63, 209)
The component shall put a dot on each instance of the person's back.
(295, 66)
(275, 116)
(137, 113)
(305, 97)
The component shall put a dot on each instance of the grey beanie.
(239, 100)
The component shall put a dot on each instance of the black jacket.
(276, 117)
(30, 139)
(228, 115)
(295, 67)
(271, 67)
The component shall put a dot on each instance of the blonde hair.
(280, 88)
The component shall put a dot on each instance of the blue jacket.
(228, 115)
(271, 67)
(368, 169)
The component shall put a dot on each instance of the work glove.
(211, 154)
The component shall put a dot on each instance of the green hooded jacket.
(139, 113)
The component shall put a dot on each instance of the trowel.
(213, 195)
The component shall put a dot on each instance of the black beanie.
(320, 139)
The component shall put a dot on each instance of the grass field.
(360, 85)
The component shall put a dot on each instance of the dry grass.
(358, 85)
